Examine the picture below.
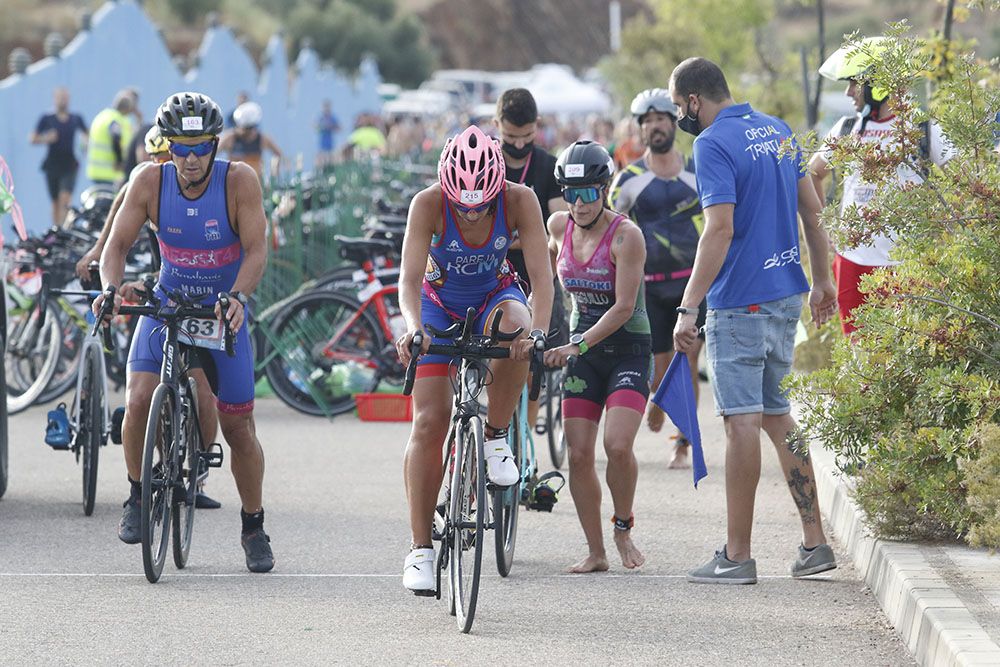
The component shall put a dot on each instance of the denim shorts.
(750, 350)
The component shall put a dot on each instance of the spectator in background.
(748, 265)
(242, 98)
(58, 131)
(366, 137)
(628, 143)
(110, 134)
(246, 143)
(327, 127)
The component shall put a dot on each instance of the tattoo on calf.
(804, 494)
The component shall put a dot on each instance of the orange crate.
(384, 407)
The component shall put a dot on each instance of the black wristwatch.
(239, 296)
(681, 310)
(536, 334)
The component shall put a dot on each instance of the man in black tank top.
(517, 122)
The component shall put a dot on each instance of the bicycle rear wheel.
(31, 357)
(158, 476)
(183, 507)
(310, 373)
(91, 420)
(506, 503)
(553, 418)
(468, 513)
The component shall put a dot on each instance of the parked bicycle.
(463, 519)
(174, 460)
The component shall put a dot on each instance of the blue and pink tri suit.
(201, 256)
(460, 276)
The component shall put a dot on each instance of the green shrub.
(905, 406)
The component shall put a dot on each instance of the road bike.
(174, 459)
(462, 518)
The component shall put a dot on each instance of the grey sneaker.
(721, 570)
(813, 561)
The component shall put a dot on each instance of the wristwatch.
(536, 334)
(681, 310)
(239, 296)
(577, 339)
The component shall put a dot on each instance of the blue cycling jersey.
(463, 274)
(201, 253)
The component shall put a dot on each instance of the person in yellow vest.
(110, 133)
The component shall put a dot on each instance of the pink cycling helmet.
(471, 169)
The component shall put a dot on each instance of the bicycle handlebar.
(469, 345)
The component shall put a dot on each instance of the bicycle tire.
(300, 373)
(553, 416)
(506, 505)
(157, 494)
(468, 524)
(67, 363)
(91, 426)
(32, 360)
(183, 511)
(4, 459)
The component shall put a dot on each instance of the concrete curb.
(924, 604)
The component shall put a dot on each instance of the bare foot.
(631, 556)
(655, 418)
(591, 563)
(680, 459)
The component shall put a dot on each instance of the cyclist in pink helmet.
(455, 257)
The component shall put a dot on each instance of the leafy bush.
(906, 405)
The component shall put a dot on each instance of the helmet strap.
(593, 222)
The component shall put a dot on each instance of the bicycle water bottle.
(57, 435)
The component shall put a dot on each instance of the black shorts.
(60, 180)
(599, 380)
(662, 301)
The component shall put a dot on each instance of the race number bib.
(205, 333)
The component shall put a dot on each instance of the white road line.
(307, 575)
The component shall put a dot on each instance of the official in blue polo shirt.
(748, 264)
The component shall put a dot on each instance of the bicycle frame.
(377, 301)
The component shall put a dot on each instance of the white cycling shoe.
(501, 467)
(418, 572)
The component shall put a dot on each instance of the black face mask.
(690, 124)
(518, 153)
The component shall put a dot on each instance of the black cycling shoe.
(203, 502)
(129, 528)
(257, 546)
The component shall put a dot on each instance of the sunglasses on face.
(588, 194)
(200, 150)
(472, 209)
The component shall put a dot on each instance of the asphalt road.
(72, 594)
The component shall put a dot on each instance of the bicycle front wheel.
(183, 507)
(158, 476)
(468, 515)
(553, 415)
(506, 503)
(91, 421)
(3, 410)
(327, 351)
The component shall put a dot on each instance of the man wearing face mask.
(659, 192)
(748, 266)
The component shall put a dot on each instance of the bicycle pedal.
(213, 456)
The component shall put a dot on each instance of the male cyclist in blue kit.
(454, 257)
(210, 223)
(658, 191)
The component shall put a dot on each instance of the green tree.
(907, 405)
(738, 35)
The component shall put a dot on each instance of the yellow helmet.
(155, 143)
(851, 61)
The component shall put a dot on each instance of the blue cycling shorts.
(434, 315)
